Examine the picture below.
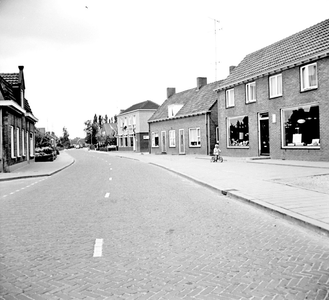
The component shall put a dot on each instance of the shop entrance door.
(264, 135)
(163, 141)
(181, 141)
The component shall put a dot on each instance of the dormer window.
(173, 109)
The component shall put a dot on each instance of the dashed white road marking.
(107, 195)
(98, 248)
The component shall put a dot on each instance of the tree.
(42, 140)
(100, 121)
(106, 119)
(95, 118)
(115, 118)
(91, 132)
(64, 140)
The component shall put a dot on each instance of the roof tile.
(194, 101)
(304, 44)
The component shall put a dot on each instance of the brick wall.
(176, 124)
(292, 96)
(15, 121)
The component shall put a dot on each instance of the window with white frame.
(155, 139)
(238, 131)
(172, 138)
(301, 126)
(12, 142)
(31, 144)
(17, 142)
(194, 137)
(230, 98)
(251, 92)
(23, 142)
(275, 83)
(308, 77)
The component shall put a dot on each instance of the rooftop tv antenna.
(216, 22)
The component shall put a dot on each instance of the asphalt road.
(115, 228)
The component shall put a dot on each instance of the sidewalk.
(287, 188)
(39, 169)
(275, 185)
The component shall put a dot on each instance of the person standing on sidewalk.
(217, 152)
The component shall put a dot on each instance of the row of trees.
(49, 139)
(92, 129)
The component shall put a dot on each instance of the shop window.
(301, 126)
(308, 76)
(194, 137)
(275, 85)
(155, 139)
(251, 92)
(131, 141)
(172, 138)
(126, 141)
(238, 132)
(230, 98)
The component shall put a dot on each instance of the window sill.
(198, 146)
(274, 97)
(172, 146)
(251, 102)
(155, 146)
(302, 147)
(230, 106)
(237, 147)
(308, 89)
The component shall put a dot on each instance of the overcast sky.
(86, 57)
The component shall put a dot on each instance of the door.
(264, 135)
(163, 141)
(181, 141)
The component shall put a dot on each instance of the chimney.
(170, 92)
(21, 68)
(200, 82)
(232, 68)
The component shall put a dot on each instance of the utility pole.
(215, 28)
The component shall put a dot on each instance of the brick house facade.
(132, 125)
(275, 102)
(186, 122)
(17, 122)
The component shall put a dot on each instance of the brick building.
(186, 122)
(275, 102)
(17, 122)
(133, 132)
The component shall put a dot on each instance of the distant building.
(275, 102)
(133, 134)
(17, 122)
(186, 122)
(108, 134)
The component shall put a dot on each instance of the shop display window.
(238, 131)
(301, 126)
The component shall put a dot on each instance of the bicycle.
(216, 159)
